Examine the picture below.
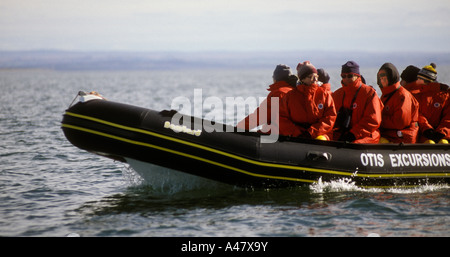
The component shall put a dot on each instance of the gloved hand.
(347, 137)
(433, 135)
(306, 134)
(438, 136)
(428, 133)
(323, 76)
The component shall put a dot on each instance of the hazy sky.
(195, 25)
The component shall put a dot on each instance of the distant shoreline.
(121, 60)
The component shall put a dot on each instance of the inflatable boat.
(124, 132)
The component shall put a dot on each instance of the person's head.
(387, 75)
(427, 74)
(307, 73)
(350, 72)
(281, 72)
(409, 75)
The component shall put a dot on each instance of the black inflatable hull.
(121, 131)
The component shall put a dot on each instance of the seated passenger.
(284, 81)
(309, 106)
(359, 108)
(401, 110)
(434, 106)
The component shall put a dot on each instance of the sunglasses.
(312, 76)
(349, 76)
(382, 75)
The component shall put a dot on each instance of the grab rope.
(80, 93)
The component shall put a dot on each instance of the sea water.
(48, 187)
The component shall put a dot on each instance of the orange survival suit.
(400, 114)
(284, 127)
(311, 109)
(434, 102)
(365, 110)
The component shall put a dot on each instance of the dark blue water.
(50, 188)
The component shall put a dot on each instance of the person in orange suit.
(310, 107)
(400, 114)
(284, 81)
(359, 108)
(434, 106)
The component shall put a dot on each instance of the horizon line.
(226, 51)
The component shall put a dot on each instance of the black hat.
(350, 67)
(409, 74)
(281, 72)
